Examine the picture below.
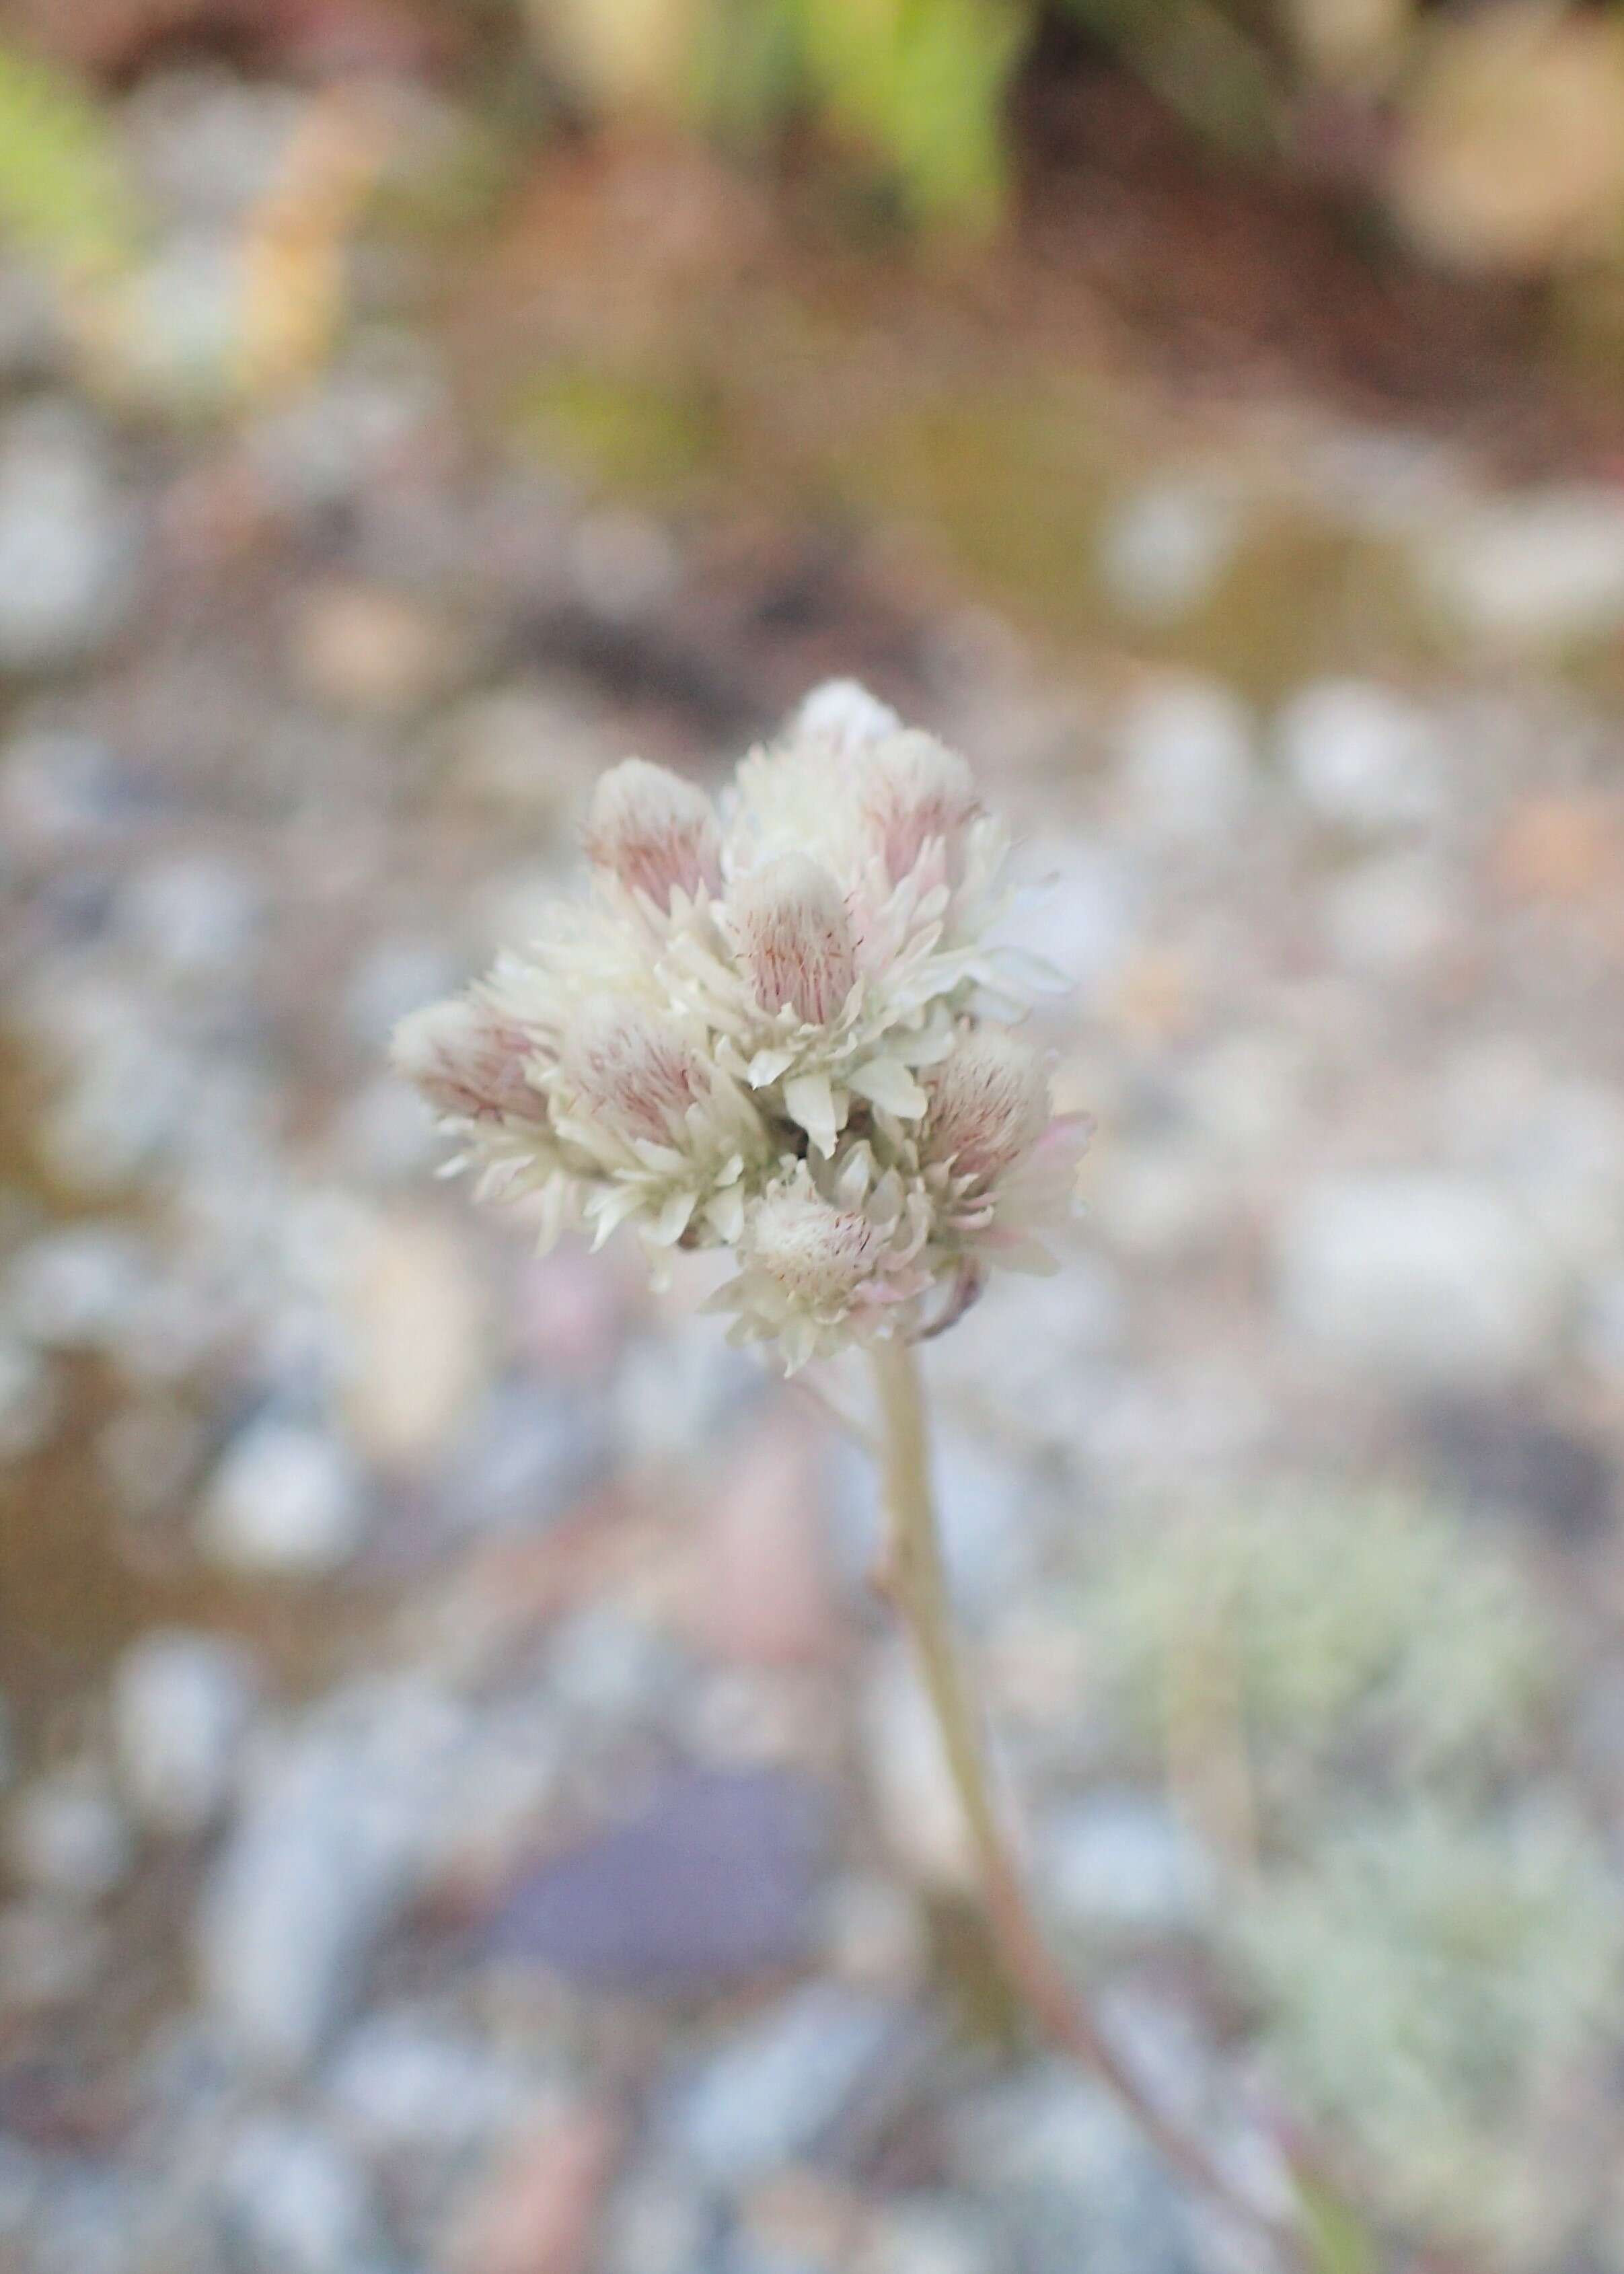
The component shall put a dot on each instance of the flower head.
(764, 1029)
(654, 833)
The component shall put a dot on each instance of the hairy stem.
(913, 1577)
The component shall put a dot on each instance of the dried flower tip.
(794, 937)
(655, 831)
(631, 1067)
(846, 716)
(914, 789)
(817, 1254)
(469, 1061)
(989, 1103)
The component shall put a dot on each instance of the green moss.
(630, 432)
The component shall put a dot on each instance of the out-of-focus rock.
(1542, 569)
(1069, 2180)
(929, 2234)
(1121, 1862)
(415, 1314)
(286, 1497)
(762, 2099)
(1396, 913)
(1162, 550)
(67, 1836)
(65, 552)
(49, 1953)
(714, 1880)
(760, 1570)
(1420, 1275)
(182, 1703)
(1362, 757)
(362, 648)
(1185, 753)
(539, 2211)
(407, 2081)
(29, 1399)
(77, 1287)
(291, 2201)
(337, 1823)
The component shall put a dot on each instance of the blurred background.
(461, 1811)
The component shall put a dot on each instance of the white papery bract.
(766, 1027)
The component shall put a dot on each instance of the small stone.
(181, 326)
(407, 2083)
(539, 2211)
(1120, 1862)
(362, 648)
(714, 1880)
(1069, 2180)
(763, 2099)
(29, 1399)
(1424, 1276)
(337, 1822)
(658, 2223)
(286, 1497)
(1559, 847)
(67, 1836)
(1543, 570)
(1504, 1455)
(415, 1314)
(623, 564)
(207, 141)
(192, 916)
(1163, 551)
(761, 1580)
(929, 2234)
(182, 1704)
(874, 1935)
(1185, 751)
(1392, 916)
(22, 2188)
(529, 1455)
(610, 1664)
(1161, 1198)
(66, 555)
(148, 1453)
(49, 1953)
(1362, 757)
(77, 1287)
(291, 2201)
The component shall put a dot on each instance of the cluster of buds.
(780, 1028)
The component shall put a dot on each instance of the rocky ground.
(465, 1811)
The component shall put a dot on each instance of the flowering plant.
(777, 1029)
(784, 1028)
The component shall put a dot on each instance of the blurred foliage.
(1353, 1700)
(65, 197)
(1493, 136)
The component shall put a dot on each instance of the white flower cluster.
(771, 1029)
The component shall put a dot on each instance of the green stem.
(913, 1577)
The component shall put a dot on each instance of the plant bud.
(846, 717)
(794, 937)
(913, 789)
(989, 1103)
(817, 1253)
(655, 831)
(469, 1060)
(631, 1067)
